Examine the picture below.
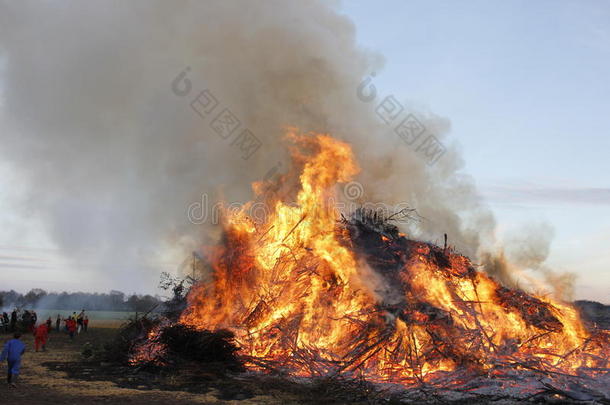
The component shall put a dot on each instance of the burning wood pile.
(312, 293)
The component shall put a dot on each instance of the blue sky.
(525, 85)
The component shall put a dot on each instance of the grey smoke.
(112, 158)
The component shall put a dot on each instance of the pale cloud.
(536, 194)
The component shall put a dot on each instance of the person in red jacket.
(71, 324)
(41, 333)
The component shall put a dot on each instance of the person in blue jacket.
(13, 349)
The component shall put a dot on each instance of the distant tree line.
(112, 301)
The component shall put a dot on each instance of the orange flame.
(296, 294)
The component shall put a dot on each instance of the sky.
(525, 86)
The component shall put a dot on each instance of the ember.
(311, 292)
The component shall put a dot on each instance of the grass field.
(101, 315)
(105, 319)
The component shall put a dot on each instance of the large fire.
(310, 292)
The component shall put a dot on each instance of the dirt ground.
(61, 376)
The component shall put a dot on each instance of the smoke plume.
(97, 119)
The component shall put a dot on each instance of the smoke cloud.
(96, 118)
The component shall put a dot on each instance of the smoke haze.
(111, 157)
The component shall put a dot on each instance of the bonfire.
(315, 292)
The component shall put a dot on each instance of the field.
(106, 319)
(61, 375)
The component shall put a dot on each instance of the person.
(49, 324)
(26, 320)
(40, 337)
(12, 352)
(71, 324)
(13, 320)
(57, 323)
(6, 321)
(79, 321)
(86, 323)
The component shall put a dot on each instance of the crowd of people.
(26, 321)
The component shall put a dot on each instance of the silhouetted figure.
(26, 320)
(13, 320)
(6, 321)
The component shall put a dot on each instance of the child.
(13, 349)
(71, 324)
(41, 333)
